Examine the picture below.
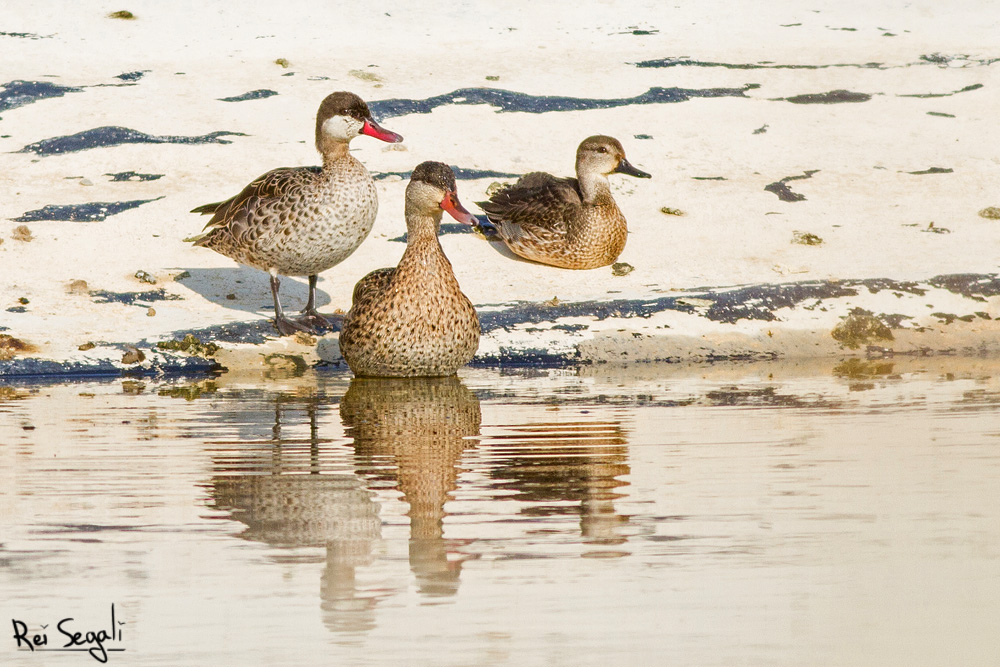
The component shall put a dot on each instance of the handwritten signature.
(91, 641)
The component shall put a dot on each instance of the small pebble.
(132, 355)
(151, 312)
(22, 233)
(621, 269)
(86, 346)
(145, 277)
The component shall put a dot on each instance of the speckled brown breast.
(412, 322)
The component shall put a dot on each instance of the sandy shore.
(821, 175)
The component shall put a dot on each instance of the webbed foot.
(287, 327)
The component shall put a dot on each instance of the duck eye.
(602, 149)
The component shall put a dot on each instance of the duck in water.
(573, 223)
(413, 320)
(300, 221)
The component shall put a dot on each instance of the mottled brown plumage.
(300, 221)
(414, 320)
(572, 223)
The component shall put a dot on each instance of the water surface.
(779, 514)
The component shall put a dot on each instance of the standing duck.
(573, 223)
(413, 320)
(299, 221)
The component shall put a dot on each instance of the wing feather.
(538, 206)
(239, 216)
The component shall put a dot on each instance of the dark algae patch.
(508, 100)
(130, 298)
(832, 97)
(261, 94)
(92, 212)
(20, 93)
(749, 302)
(103, 137)
(973, 286)
(688, 62)
(932, 170)
(967, 89)
(24, 35)
(255, 332)
(785, 193)
(936, 59)
(133, 176)
(132, 76)
(32, 368)
(859, 328)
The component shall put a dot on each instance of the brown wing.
(539, 205)
(373, 284)
(241, 215)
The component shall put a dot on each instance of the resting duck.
(572, 223)
(413, 320)
(300, 221)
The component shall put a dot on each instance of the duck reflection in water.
(548, 464)
(420, 427)
(300, 492)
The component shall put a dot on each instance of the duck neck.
(422, 245)
(333, 151)
(594, 187)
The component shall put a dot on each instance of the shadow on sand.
(249, 290)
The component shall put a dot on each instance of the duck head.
(432, 190)
(343, 116)
(605, 155)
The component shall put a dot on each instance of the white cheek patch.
(342, 127)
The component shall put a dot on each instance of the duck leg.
(285, 326)
(310, 316)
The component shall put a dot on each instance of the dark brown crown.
(437, 174)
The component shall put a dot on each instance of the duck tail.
(205, 209)
(198, 239)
